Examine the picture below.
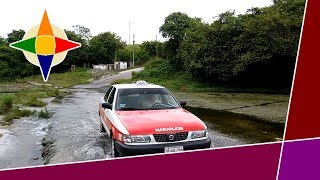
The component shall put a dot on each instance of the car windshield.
(145, 99)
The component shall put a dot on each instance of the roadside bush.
(6, 104)
(156, 68)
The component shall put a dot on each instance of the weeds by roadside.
(45, 114)
(34, 102)
(11, 112)
(16, 113)
(26, 97)
(65, 80)
(6, 104)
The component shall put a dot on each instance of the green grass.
(31, 96)
(10, 111)
(34, 102)
(16, 113)
(65, 80)
(6, 103)
(31, 89)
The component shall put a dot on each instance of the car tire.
(102, 129)
(114, 152)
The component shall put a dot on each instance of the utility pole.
(129, 32)
(157, 46)
(133, 50)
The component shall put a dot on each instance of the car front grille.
(171, 137)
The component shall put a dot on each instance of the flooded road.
(72, 133)
(241, 126)
(21, 144)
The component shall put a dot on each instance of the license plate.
(173, 149)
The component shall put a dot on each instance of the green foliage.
(141, 55)
(16, 113)
(207, 50)
(157, 68)
(14, 65)
(6, 104)
(65, 79)
(175, 25)
(2, 41)
(15, 35)
(78, 57)
(103, 47)
(9, 111)
(34, 102)
(45, 114)
(254, 49)
(257, 48)
(124, 55)
(83, 32)
(153, 48)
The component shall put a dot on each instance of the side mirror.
(182, 103)
(106, 105)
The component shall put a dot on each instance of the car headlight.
(198, 134)
(136, 138)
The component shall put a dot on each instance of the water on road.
(72, 133)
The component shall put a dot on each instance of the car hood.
(159, 121)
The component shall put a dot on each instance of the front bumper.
(129, 150)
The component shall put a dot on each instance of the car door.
(109, 97)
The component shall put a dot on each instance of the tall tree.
(83, 32)
(103, 47)
(175, 27)
(77, 57)
(2, 41)
(15, 35)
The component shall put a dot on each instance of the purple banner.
(300, 160)
(252, 162)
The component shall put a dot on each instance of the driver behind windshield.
(147, 100)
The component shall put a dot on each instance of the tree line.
(104, 48)
(257, 48)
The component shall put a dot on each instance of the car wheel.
(114, 152)
(102, 129)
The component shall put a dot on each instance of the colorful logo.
(45, 46)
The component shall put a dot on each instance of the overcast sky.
(146, 16)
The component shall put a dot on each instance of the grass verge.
(30, 90)
(10, 111)
(65, 80)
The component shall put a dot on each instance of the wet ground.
(266, 107)
(72, 134)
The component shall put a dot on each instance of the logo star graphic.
(45, 45)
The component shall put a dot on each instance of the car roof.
(138, 84)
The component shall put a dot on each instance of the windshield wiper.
(153, 108)
(130, 108)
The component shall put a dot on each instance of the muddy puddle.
(248, 128)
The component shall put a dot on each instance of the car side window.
(111, 97)
(107, 94)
